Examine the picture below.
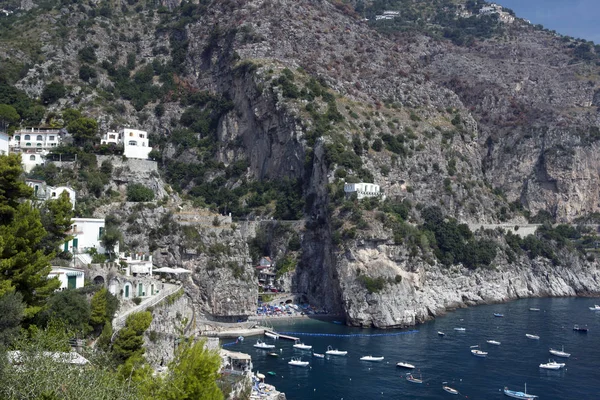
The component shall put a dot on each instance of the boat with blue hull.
(519, 395)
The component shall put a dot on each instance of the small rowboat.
(371, 358)
(450, 390)
(494, 342)
(412, 379)
(405, 365)
(441, 333)
(498, 315)
(273, 354)
(319, 355)
(460, 329)
(530, 336)
(272, 373)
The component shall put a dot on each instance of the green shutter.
(67, 245)
(71, 282)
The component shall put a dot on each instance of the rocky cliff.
(263, 108)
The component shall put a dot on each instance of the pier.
(282, 336)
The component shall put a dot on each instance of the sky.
(577, 18)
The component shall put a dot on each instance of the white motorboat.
(479, 353)
(460, 329)
(263, 345)
(552, 365)
(534, 309)
(441, 333)
(595, 308)
(272, 335)
(297, 362)
(530, 336)
(319, 355)
(335, 352)
(371, 358)
(302, 346)
(494, 342)
(450, 390)
(405, 365)
(560, 353)
(412, 379)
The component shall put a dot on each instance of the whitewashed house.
(111, 137)
(4, 148)
(87, 234)
(43, 192)
(34, 144)
(137, 264)
(135, 142)
(70, 278)
(363, 190)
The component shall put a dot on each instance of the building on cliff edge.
(135, 142)
(363, 190)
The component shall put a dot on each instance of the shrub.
(52, 92)
(137, 192)
(373, 285)
(137, 300)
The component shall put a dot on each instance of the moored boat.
(441, 333)
(595, 308)
(371, 358)
(319, 355)
(560, 353)
(498, 315)
(534, 309)
(272, 373)
(263, 345)
(460, 329)
(519, 395)
(581, 329)
(479, 353)
(494, 342)
(273, 354)
(405, 365)
(552, 365)
(302, 346)
(412, 379)
(450, 390)
(530, 336)
(335, 352)
(297, 362)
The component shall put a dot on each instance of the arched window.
(28, 145)
(18, 138)
(27, 137)
(32, 157)
(39, 145)
(39, 138)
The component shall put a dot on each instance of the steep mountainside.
(264, 108)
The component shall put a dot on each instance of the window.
(53, 194)
(130, 133)
(111, 136)
(17, 138)
(50, 137)
(132, 143)
(141, 135)
(28, 145)
(27, 137)
(100, 232)
(39, 145)
(39, 138)
(32, 157)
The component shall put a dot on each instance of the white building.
(70, 278)
(135, 142)
(4, 144)
(87, 234)
(34, 144)
(137, 264)
(363, 190)
(43, 192)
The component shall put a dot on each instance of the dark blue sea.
(445, 359)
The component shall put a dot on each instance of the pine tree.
(23, 265)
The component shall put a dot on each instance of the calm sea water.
(446, 359)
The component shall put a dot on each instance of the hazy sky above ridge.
(577, 18)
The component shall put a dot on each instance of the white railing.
(119, 321)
